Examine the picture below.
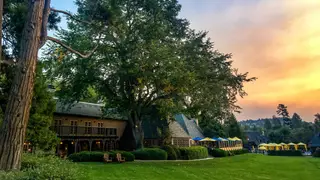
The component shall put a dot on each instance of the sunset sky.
(277, 41)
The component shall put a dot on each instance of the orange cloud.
(276, 41)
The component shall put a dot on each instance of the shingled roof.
(189, 126)
(88, 110)
(315, 142)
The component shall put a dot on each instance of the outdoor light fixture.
(61, 142)
(72, 142)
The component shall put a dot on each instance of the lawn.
(242, 167)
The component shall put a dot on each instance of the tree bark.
(1, 15)
(137, 130)
(12, 134)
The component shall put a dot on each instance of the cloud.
(276, 41)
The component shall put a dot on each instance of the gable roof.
(256, 137)
(190, 126)
(88, 110)
(315, 141)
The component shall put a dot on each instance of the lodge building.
(82, 127)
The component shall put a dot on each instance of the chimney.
(196, 121)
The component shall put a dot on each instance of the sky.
(277, 41)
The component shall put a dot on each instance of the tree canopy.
(147, 55)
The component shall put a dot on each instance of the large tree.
(233, 128)
(267, 124)
(282, 110)
(32, 37)
(148, 56)
(296, 121)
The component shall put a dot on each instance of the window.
(100, 128)
(57, 122)
(88, 129)
(111, 131)
(73, 127)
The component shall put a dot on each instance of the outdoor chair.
(107, 158)
(120, 159)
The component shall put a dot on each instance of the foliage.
(240, 151)
(233, 128)
(216, 152)
(283, 112)
(194, 152)
(267, 124)
(316, 153)
(150, 154)
(44, 167)
(148, 56)
(285, 153)
(317, 122)
(296, 121)
(212, 128)
(172, 155)
(86, 156)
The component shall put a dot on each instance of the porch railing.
(84, 131)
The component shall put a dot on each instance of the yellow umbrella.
(302, 144)
(207, 139)
(262, 148)
(283, 143)
(236, 138)
(263, 144)
(291, 144)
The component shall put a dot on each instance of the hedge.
(240, 151)
(195, 152)
(150, 154)
(218, 152)
(86, 156)
(316, 153)
(285, 153)
(172, 154)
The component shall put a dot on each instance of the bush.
(44, 167)
(150, 154)
(127, 155)
(218, 152)
(177, 150)
(240, 151)
(285, 153)
(172, 155)
(316, 153)
(195, 152)
(86, 156)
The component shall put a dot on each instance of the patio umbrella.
(283, 143)
(231, 139)
(291, 144)
(237, 139)
(197, 139)
(207, 139)
(262, 148)
(263, 144)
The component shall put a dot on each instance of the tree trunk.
(1, 15)
(16, 116)
(137, 129)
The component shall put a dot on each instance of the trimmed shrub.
(177, 150)
(195, 152)
(240, 151)
(127, 155)
(316, 153)
(285, 153)
(86, 156)
(150, 154)
(172, 155)
(218, 152)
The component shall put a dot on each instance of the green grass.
(242, 167)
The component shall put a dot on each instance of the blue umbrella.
(197, 138)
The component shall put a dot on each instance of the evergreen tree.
(282, 111)
(267, 124)
(233, 128)
(296, 121)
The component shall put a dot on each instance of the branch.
(70, 15)
(45, 17)
(9, 62)
(70, 49)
